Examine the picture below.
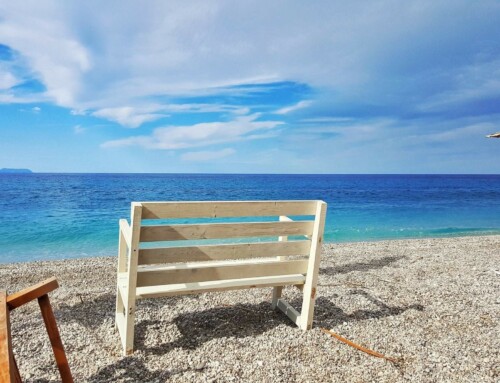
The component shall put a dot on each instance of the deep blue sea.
(54, 216)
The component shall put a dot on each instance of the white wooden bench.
(231, 251)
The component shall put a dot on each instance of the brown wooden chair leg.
(15, 375)
(9, 372)
(55, 339)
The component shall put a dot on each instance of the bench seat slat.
(208, 286)
(224, 230)
(211, 271)
(223, 251)
(155, 210)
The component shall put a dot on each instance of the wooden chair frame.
(9, 371)
(189, 269)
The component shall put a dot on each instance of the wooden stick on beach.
(357, 346)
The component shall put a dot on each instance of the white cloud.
(47, 42)
(133, 117)
(78, 129)
(198, 135)
(7, 80)
(9, 98)
(142, 50)
(78, 112)
(36, 109)
(289, 109)
(207, 155)
(332, 120)
(127, 116)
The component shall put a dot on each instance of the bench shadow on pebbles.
(197, 328)
(329, 315)
(237, 321)
(360, 266)
(91, 312)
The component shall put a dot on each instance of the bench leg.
(129, 328)
(307, 312)
(276, 295)
(119, 310)
(124, 321)
(120, 316)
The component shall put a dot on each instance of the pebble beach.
(433, 305)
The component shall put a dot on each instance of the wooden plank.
(309, 291)
(209, 286)
(27, 295)
(55, 339)
(290, 312)
(284, 218)
(123, 248)
(129, 295)
(120, 325)
(7, 366)
(217, 209)
(190, 273)
(223, 251)
(206, 264)
(125, 231)
(277, 291)
(122, 288)
(224, 230)
(121, 304)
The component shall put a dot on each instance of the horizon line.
(228, 173)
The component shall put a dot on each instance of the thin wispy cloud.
(203, 134)
(128, 116)
(289, 109)
(78, 129)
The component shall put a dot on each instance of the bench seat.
(210, 286)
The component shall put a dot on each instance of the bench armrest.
(125, 231)
(34, 292)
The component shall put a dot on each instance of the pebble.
(427, 302)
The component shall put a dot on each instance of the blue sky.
(250, 86)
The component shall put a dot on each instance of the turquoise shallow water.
(54, 216)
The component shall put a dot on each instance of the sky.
(250, 86)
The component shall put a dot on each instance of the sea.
(60, 216)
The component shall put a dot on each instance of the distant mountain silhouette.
(15, 171)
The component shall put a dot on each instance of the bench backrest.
(199, 241)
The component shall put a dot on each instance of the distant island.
(15, 171)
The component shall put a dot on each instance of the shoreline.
(432, 303)
(325, 243)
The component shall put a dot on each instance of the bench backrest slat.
(224, 230)
(219, 209)
(223, 252)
